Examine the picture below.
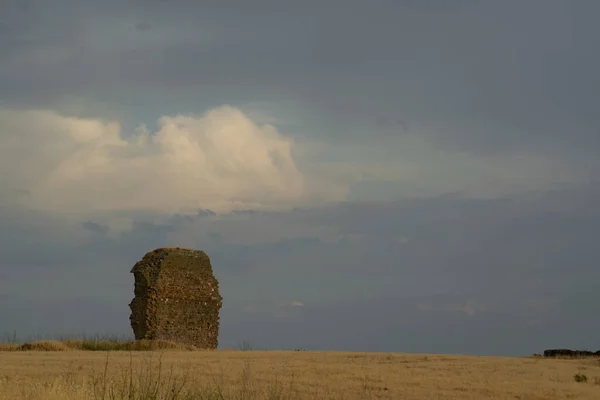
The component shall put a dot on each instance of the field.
(229, 374)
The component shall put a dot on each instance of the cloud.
(522, 92)
(221, 161)
(296, 303)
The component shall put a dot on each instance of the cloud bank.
(222, 161)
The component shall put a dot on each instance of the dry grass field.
(64, 374)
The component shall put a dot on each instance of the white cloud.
(221, 160)
(224, 160)
(296, 303)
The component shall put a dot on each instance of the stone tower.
(176, 297)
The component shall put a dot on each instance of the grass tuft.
(8, 346)
(44, 345)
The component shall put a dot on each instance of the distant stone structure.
(570, 353)
(176, 298)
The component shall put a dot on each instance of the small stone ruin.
(176, 298)
(570, 353)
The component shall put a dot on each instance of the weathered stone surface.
(176, 297)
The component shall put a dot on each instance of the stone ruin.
(570, 353)
(176, 298)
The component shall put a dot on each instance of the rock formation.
(176, 298)
(570, 353)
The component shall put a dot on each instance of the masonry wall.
(176, 297)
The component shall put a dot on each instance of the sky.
(398, 176)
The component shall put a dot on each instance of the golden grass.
(8, 346)
(97, 345)
(130, 345)
(44, 345)
(71, 375)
